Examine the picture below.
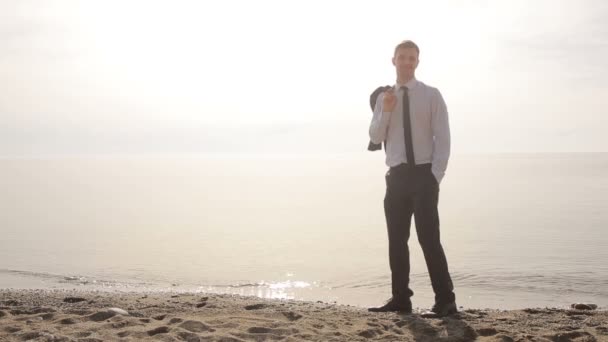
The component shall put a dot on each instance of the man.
(412, 119)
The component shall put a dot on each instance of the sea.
(519, 230)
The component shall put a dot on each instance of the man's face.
(406, 61)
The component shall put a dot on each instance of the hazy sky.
(80, 77)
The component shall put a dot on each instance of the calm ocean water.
(518, 230)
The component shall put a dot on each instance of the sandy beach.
(88, 316)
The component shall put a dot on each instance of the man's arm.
(441, 135)
(380, 121)
(373, 97)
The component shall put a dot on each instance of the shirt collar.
(410, 84)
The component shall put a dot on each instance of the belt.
(405, 166)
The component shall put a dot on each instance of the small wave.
(268, 285)
(72, 279)
(571, 282)
(30, 274)
(533, 282)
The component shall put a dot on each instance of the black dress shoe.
(441, 310)
(394, 306)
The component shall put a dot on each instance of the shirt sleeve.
(380, 122)
(441, 136)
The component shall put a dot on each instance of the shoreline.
(467, 296)
(89, 316)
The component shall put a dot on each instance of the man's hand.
(389, 101)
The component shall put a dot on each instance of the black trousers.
(415, 191)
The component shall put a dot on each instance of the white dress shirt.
(429, 122)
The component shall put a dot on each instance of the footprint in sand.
(24, 319)
(33, 320)
(120, 325)
(83, 334)
(79, 312)
(195, 326)
(102, 316)
(228, 339)
(227, 325)
(503, 338)
(123, 334)
(67, 321)
(292, 316)
(488, 331)
(159, 330)
(30, 335)
(47, 316)
(370, 333)
(259, 337)
(188, 336)
(136, 314)
(396, 331)
(259, 330)
(256, 307)
(571, 336)
(73, 299)
(12, 329)
(175, 320)
(273, 332)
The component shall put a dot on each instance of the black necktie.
(407, 130)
